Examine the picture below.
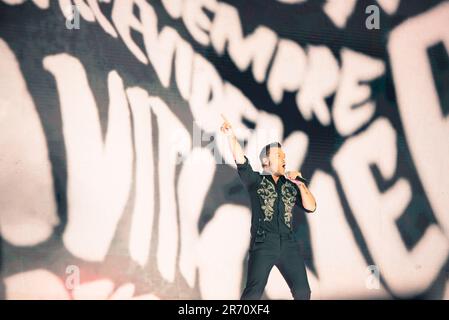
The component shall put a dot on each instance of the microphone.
(301, 180)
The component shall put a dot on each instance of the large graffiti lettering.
(114, 181)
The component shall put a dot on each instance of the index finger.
(224, 118)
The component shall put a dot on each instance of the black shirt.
(272, 204)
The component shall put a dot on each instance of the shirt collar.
(268, 175)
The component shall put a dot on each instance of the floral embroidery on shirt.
(289, 198)
(267, 192)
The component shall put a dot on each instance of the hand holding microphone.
(295, 175)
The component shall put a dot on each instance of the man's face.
(276, 160)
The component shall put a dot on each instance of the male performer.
(274, 196)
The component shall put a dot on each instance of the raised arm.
(236, 148)
(244, 169)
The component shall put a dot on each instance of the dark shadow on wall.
(439, 62)
(2, 283)
(438, 288)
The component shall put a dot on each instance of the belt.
(281, 235)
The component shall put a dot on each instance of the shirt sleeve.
(247, 174)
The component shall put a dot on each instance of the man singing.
(274, 195)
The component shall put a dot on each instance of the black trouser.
(282, 252)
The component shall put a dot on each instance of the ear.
(265, 161)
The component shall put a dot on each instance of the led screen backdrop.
(115, 181)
